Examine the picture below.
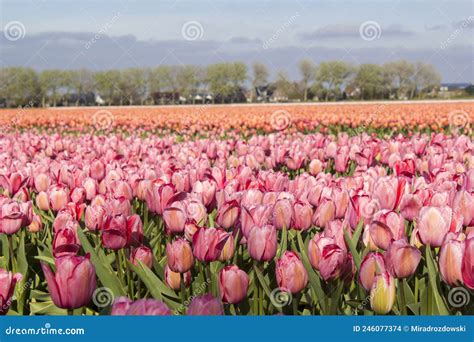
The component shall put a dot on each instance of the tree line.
(327, 81)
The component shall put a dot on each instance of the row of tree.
(331, 80)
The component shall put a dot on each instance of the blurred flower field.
(238, 210)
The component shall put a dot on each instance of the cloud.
(63, 50)
(435, 27)
(350, 31)
(245, 40)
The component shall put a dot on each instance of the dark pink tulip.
(148, 307)
(450, 259)
(410, 206)
(386, 227)
(173, 279)
(208, 243)
(179, 255)
(114, 232)
(11, 217)
(228, 215)
(290, 273)
(134, 230)
(66, 241)
(233, 284)
(405, 168)
(120, 306)
(467, 267)
(372, 266)
(206, 305)
(262, 243)
(143, 254)
(175, 218)
(283, 214)
(402, 259)
(433, 225)
(8, 281)
(303, 215)
(74, 282)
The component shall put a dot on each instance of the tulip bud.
(450, 259)
(402, 259)
(206, 305)
(11, 217)
(208, 243)
(42, 201)
(303, 216)
(282, 214)
(382, 294)
(434, 224)
(173, 279)
(114, 233)
(227, 251)
(36, 224)
(58, 198)
(74, 282)
(8, 281)
(233, 284)
(175, 219)
(327, 256)
(372, 266)
(179, 255)
(144, 254)
(148, 307)
(97, 170)
(94, 217)
(262, 243)
(228, 215)
(42, 182)
(386, 227)
(290, 273)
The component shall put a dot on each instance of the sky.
(98, 35)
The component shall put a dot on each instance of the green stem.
(183, 288)
(70, 312)
(118, 264)
(403, 305)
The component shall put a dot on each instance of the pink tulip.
(134, 230)
(114, 232)
(8, 281)
(262, 243)
(206, 305)
(179, 255)
(66, 241)
(11, 217)
(94, 217)
(97, 170)
(148, 307)
(175, 218)
(386, 227)
(142, 254)
(450, 259)
(283, 214)
(42, 201)
(402, 259)
(433, 225)
(258, 215)
(36, 224)
(325, 212)
(233, 284)
(208, 243)
(120, 306)
(290, 273)
(228, 214)
(58, 198)
(327, 256)
(372, 266)
(383, 293)
(42, 182)
(388, 191)
(74, 282)
(303, 215)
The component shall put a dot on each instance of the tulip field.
(336, 209)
